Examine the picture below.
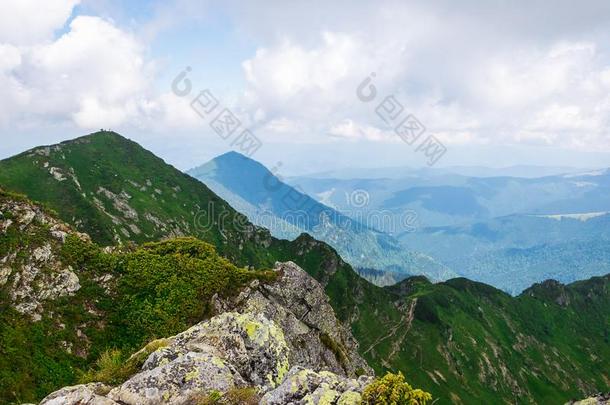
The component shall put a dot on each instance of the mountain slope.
(422, 329)
(267, 201)
(472, 343)
(63, 300)
(65, 303)
(116, 191)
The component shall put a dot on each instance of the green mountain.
(116, 191)
(64, 301)
(287, 212)
(471, 343)
(464, 342)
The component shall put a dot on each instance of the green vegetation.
(470, 341)
(113, 368)
(116, 191)
(155, 290)
(234, 396)
(392, 389)
(463, 341)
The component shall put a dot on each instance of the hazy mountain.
(398, 172)
(461, 340)
(515, 251)
(506, 231)
(453, 200)
(267, 201)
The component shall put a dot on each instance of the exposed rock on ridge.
(282, 339)
(33, 271)
(297, 302)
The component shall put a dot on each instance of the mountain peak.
(232, 155)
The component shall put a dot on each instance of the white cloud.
(25, 22)
(495, 76)
(348, 129)
(468, 78)
(292, 80)
(95, 75)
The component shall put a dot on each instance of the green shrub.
(393, 390)
(113, 368)
(234, 396)
(165, 287)
(109, 369)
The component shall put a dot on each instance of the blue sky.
(496, 84)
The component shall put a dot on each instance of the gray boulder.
(304, 386)
(298, 303)
(86, 394)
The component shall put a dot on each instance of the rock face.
(88, 394)
(281, 339)
(297, 302)
(599, 399)
(31, 269)
(304, 386)
(229, 351)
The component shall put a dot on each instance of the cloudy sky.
(497, 83)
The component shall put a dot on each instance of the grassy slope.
(448, 332)
(177, 203)
(158, 289)
(469, 340)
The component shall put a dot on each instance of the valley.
(461, 340)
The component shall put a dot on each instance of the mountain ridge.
(486, 345)
(270, 202)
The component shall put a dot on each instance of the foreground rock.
(297, 302)
(304, 386)
(282, 340)
(229, 351)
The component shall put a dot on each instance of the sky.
(490, 83)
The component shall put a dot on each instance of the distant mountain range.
(287, 212)
(514, 251)
(464, 341)
(451, 199)
(524, 171)
(509, 232)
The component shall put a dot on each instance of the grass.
(234, 396)
(113, 368)
(159, 290)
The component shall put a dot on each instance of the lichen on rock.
(304, 386)
(298, 303)
(230, 351)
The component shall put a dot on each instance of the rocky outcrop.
(30, 266)
(282, 340)
(297, 302)
(304, 386)
(86, 394)
(230, 351)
